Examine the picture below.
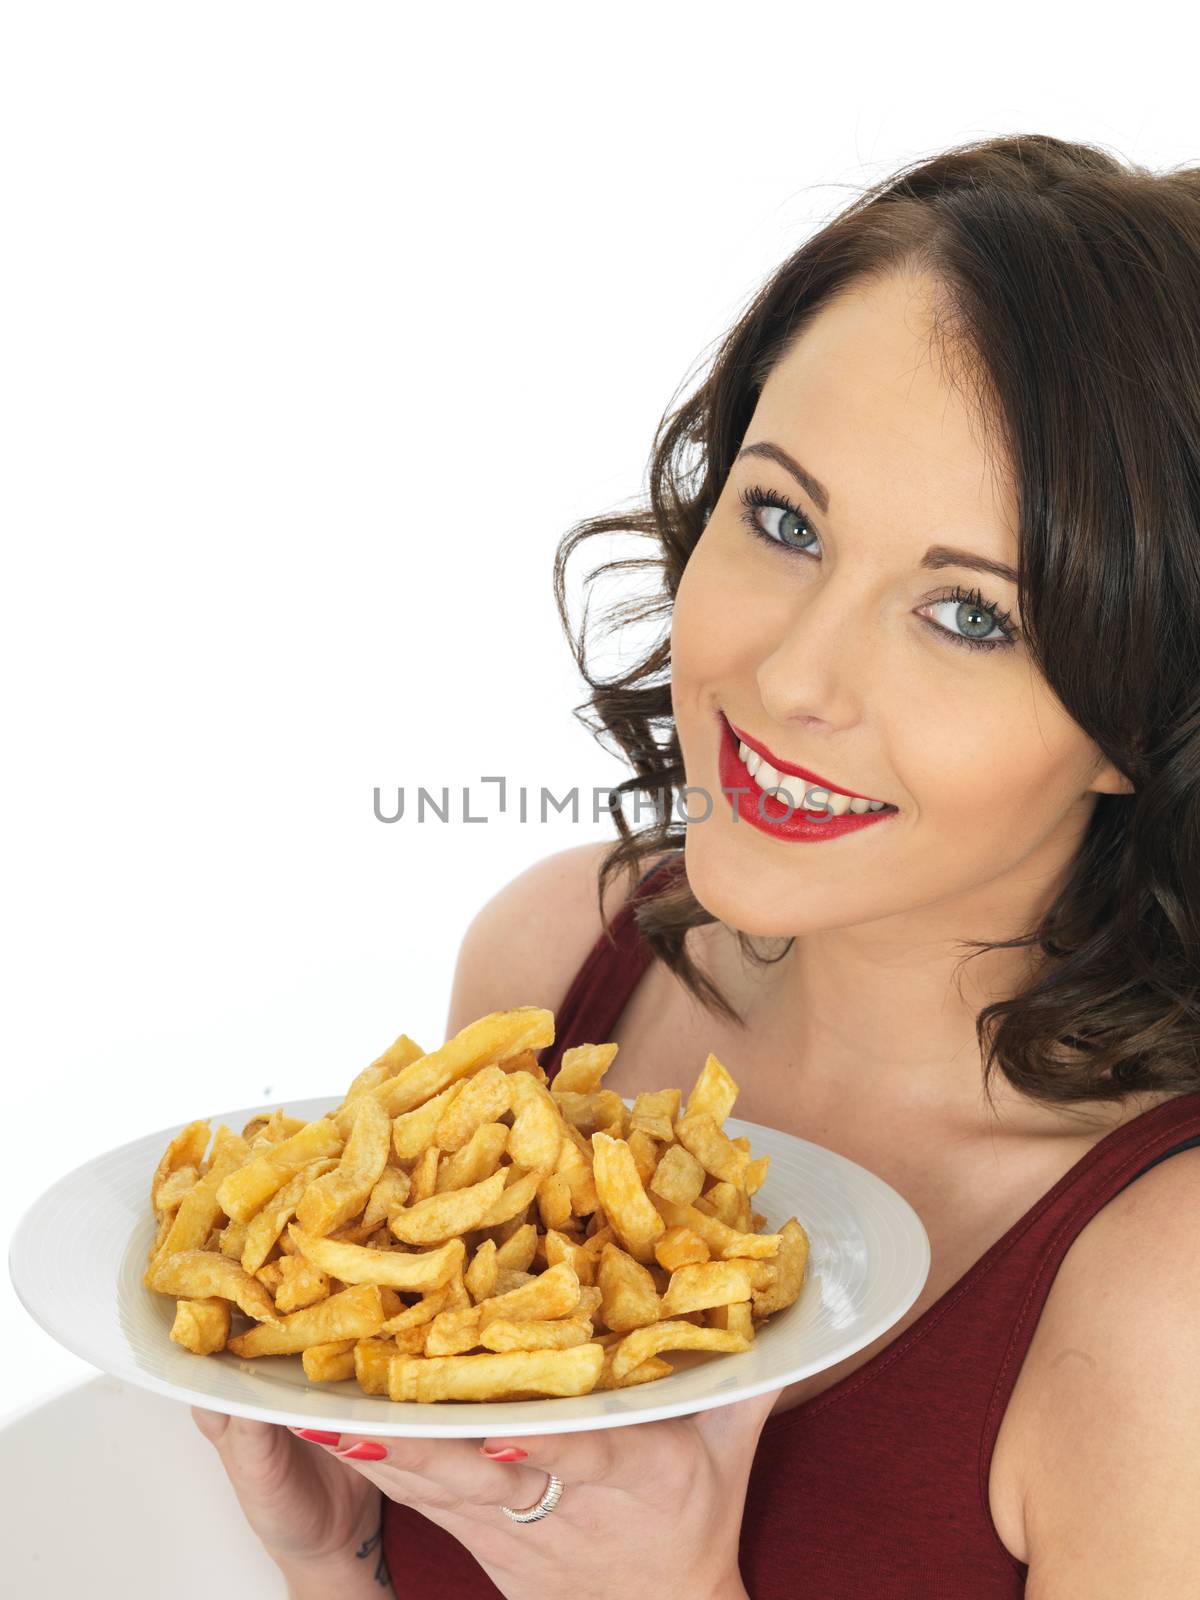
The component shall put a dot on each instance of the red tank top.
(877, 1488)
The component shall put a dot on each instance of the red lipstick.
(773, 816)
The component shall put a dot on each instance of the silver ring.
(550, 1498)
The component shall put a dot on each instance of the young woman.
(929, 536)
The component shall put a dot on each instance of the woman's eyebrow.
(936, 557)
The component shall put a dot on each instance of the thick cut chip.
(352, 1314)
(698, 1133)
(446, 1216)
(186, 1149)
(791, 1263)
(173, 1187)
(329, 1363)
(410, 1271)
(537, 1132)
(340, 1195)
(678, 1176)
(248, 1189)
(514, 1201)
(655, 1367)
(680, 1247)
(484, 1098)
(582, 1067)
(477, 1159)
(200, 1210)
(371, 1358)
(481, 1043)
(722, 1240)
(643, 1343)
(261, 1232)
(623, 1196)
(654, 1112)
(388, 1195)
(542, 1333)
(199, 1274)
(202, 1326)
(302, 1284)
(703, 1284)
(515, 1373)
(714, 1091)
(413, 1132)
(629, 1295)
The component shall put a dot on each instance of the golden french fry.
(537, 1131)
(447, 1216)
(723, 1241)
(200, 1274)
(201, 1326)
(678, 1177)
(489, 1039)
(678, 1247)
(791, 1262)
(476, 1160)
(699, 1134)
(654, 1112)
(626, 1205)
(412, 1272)
(413, 1132)
(582, 1068)
(371, 1358)
(186, 1149)
(701, 1284)
(643, 1343)
(329, 1363)
(714, 1092)
(200, 1209)
(248, 1188)
(551, 1333)
(341, 1194)
(484, 1098)
(301, 1284)
(355, 1313)
(260, 1233)
(388, 1195)
(629, 1295)
(516, 1373)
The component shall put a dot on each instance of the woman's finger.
(212, 1424)
(449, 1472)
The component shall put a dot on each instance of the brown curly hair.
(1068, 283)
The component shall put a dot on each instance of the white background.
(319, 326)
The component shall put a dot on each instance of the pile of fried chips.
(460, 1229)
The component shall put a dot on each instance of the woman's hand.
(301, 1502)
(647, 1510)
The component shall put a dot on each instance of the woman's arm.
(1113, 1487)
(359, 1572)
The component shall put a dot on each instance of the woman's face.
(829, 641)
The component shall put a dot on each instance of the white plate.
(79, 1252)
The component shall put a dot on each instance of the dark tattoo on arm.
(368, 1545)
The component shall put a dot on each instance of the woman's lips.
(796, 772)
(764, 812)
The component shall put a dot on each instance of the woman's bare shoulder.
(526, 943)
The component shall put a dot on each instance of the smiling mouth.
(805, 789)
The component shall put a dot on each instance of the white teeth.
(803, 796)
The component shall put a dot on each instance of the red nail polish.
(365, 1450)
(511, 1452)
(316, 1436)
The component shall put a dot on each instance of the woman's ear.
(1110, 780)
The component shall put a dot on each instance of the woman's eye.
(772, 518)
(971, 621)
